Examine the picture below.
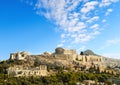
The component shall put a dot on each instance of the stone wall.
(17, 71)
(89, 58)
(19, 55)
(67, 51)
(60, 50)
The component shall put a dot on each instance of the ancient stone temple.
(65, 54)
(60, 50)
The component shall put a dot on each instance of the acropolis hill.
(37, 65)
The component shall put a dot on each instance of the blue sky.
(42, 25)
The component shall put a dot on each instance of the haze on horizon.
(42, 25)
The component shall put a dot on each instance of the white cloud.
(95, 33)
(108, 11)
(62, 35)
(109, 43)
(95, 18)
(114, 41)
(82, 48)
(112, 55)
(82, 38)
(105, 3)
(76, 19)
(104, 20)
(95, 26)
(74, 4)
(60, 45)
(89, 6)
